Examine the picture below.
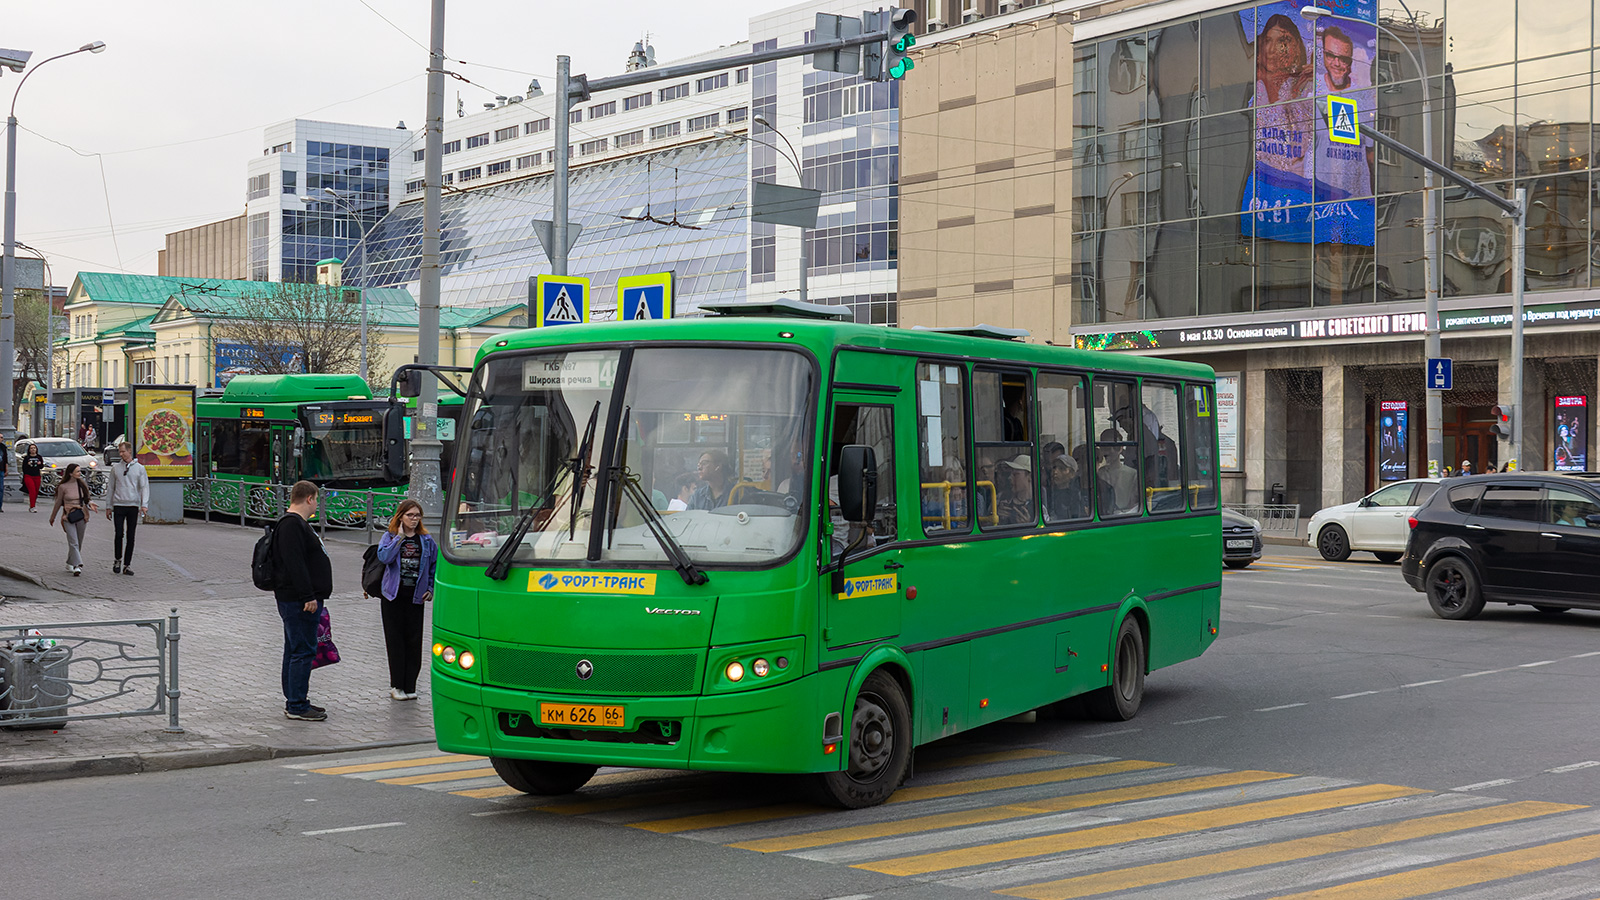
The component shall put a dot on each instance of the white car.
(58, 452)
(1378, 522)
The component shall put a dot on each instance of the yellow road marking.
(1024, 779)
(397, 764)
(1287, 851)
(1146, 829)
(1462, 873)
(729, 817)
(436, 777)
(489, 793)
(982, 758)
(1009, 811)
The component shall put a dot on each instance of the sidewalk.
(229, 653)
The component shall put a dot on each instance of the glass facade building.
(324, 229)
(1206, 181)
(680, 210)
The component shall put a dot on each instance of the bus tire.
(879, 755)
(1119, 701)
(537, 776)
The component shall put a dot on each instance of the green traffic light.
(900, 68)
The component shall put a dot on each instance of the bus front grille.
(609, 672)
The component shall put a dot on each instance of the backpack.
(372, 572)
(264, 561)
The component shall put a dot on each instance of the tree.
(32, 336)
(295, 328)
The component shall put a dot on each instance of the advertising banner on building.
(163, 430)
(1299, 65)
(1571, 433)
(1228, 422)
(1394, 461)
(240, 359)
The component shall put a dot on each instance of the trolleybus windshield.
(343, 445)
(714, 438)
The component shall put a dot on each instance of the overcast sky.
(173, 109)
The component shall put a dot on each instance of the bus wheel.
(1119, 701)
(880, 748)
(534, 776)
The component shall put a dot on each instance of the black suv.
(1519, 537)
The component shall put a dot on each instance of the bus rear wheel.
(1119, 701)
(535, 776)
(879, 751)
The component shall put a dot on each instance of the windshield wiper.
(500, 566)
(690, 573)
(581, 472)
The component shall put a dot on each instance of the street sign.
(642, 297)
(1343, 124)
(108, 397)
(561, 300)
(1440, 376)
(50, 411)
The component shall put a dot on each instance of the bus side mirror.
(411, 383)
(394, 443)
(858, 483)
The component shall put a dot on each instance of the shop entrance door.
(1467, 436)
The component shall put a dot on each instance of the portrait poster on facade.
(162, 431)
(1393, 455)
(1228, 422)
(1571, 431)
(1300, 63)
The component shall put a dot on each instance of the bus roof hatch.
(781, 308)
(979, 330)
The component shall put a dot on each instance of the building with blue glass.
(291, 222)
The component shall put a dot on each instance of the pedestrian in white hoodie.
(130, 499)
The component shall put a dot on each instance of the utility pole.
(426, 487)
(1519, 262)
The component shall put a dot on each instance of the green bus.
(769, 542)
(270, 430)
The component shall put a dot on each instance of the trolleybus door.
(863, 585)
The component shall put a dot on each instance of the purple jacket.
(389, 555)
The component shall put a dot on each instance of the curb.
(20, 575)
(36, 770)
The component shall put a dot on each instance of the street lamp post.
(1433, 401)
(8, 273)
(793, 159)
(360, 242)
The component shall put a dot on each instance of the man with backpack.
(302, 579)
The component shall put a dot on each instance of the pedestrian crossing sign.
(1343, 126)
(563, 300)
(644, 297)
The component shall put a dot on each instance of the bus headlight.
(467, 659)
(735, 671)
(760, 668)
(449, 655)
(747, 667)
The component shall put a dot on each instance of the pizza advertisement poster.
(162, 430)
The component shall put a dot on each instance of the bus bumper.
(776, 729)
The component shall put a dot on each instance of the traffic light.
(901, 40)
(1505, 421)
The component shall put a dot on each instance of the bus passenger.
(1016, 495)
(714, 472)
(684, 486)
(1063, 493)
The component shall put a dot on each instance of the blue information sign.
(1440, 377)
(563, 300)
(643, 297)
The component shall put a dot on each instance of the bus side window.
(1116, 449)
(942, 442)
(1064, 462)
(873, 426)
(1199, 452)
(1162, 464)
(1004, 427)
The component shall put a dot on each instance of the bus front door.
(863, 588)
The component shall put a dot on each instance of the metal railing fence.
(55, 673)
(1279, 518)
(254, 501)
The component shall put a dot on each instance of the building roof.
(136, 330)
(155, 290)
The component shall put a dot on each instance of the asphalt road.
(1338, 741)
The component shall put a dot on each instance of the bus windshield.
(343, 445)
(713, 438)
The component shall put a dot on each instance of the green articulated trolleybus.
(770, 541)
(270, 430)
